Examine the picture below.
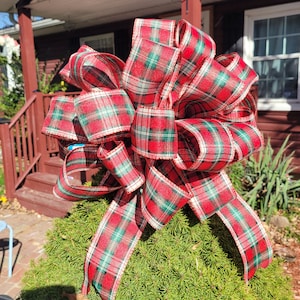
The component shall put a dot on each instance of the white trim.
(274, 11)
(252, 15)
(36, 25)
(281, 105)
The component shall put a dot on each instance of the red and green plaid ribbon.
(165, 124)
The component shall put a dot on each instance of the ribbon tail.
(113, 244)
(249, 235)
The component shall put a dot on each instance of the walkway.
(29, 238)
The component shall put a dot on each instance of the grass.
(184, 260)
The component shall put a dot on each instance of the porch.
(31, 161)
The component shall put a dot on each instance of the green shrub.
(45, 81)
(12, 99)
(266, 181)
(184, 260)
(236, 173)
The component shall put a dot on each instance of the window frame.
(252, 15)
(111, 35)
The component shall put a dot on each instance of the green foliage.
(266, 181)
(182, 261)
(3, 198)
(1, 177)
(13, 98)
(236, 173)
(45, 81)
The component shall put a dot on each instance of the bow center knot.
(153, 133)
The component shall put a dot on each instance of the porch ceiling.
(79, 14)
(7, 5)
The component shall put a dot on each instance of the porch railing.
(24, 148)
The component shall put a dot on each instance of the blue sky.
(4, 20)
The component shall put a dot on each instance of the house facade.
(266, 33)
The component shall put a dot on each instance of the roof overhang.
(79, 14)
(75, 14)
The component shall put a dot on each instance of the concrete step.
(43, 203)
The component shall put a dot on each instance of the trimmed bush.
(184, 260)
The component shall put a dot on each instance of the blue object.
(5, 297)
(74, 146)
(3, 226)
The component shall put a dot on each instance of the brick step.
(43, 203)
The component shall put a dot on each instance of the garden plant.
(11, 79)
(266, 180)
(12, 96)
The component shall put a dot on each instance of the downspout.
(191, 11)
(27, 49)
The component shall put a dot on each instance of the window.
(272, 48)
(100, 43)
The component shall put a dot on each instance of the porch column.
(191, 11)
(27, 51)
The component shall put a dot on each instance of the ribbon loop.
(196, 47)
(220, 85)
(241, 114)
(203, 145)
(153, 133)
(247, 139)
(90, 69)
(212, 89)
(148, 69)
(103, 114)
(236, 65)
(62, 122)
(158, 31)
(86, 159)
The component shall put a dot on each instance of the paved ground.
(29, 238)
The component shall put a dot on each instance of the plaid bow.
(165, 124)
